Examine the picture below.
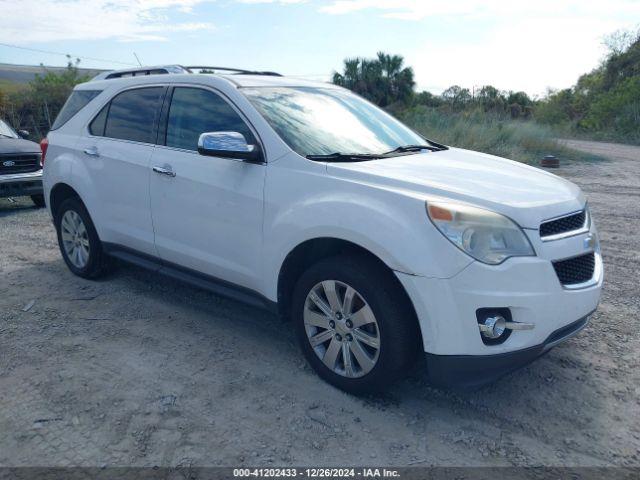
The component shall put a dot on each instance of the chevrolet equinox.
(304, 198)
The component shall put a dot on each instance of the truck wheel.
(354, 323)
(78, 240)
(38, 200)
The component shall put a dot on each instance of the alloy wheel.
(342, 329)
(75, 239)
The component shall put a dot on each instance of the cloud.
(529, 54)
(420, 9)
(28, 21)
(285, 2)
(510, 44)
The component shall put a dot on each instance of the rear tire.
(355, 355)
(38, 200)
(78, 240)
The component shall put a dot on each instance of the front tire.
(78, 240)
(354, 323)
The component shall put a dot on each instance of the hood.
(526, 194)
(17, 145)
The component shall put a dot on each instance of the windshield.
(322, 121)
(6, 130)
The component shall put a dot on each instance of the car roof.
(271, 81)
(215, 79)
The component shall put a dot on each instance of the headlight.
(485, 235)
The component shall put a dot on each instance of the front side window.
(76, 102)
(195, 111)
(132, 115)
(321, 121)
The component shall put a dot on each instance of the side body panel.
(303, 202)
(209, 216)
(119, 200)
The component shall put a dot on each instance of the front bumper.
(528, 286)
(21, 184)
(473, 371)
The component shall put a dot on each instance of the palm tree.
(383, 80)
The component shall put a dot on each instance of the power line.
(95, 59)
(65, 54)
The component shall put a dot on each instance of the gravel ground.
(141, 370)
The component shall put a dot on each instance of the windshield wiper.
(5, 135)
(413, 148)
(346, 157)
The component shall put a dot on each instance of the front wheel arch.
(395, 335)
(310, 252)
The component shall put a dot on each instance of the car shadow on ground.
(273, 329)
(135, 336)
(14, 206)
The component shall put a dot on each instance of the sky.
(513, 45)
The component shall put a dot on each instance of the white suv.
(303, 197)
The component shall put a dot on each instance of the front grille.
(576, 270)
(22, 163)
(563, 225)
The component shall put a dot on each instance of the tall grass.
(522, 140)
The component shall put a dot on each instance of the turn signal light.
(440, 213)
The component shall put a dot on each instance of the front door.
(207, 211)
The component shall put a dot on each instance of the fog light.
(493, 323)
(493, 327)
(496, 325)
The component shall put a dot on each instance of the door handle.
(164, 171)
(92, 151)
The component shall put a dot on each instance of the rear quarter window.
(97, 125)
(133, 115)
(76, 102)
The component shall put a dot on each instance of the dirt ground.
(141, 370)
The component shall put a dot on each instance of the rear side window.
(76, 102)
(195, 111)
(132, 115)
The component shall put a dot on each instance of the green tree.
(36, 107)
(456, 97)
(383, 80)
(428, 99)
(491, 99)
(605, 101)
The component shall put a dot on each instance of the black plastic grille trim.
(576, 270)
(563, 225)
(21, 163)
(567, 330)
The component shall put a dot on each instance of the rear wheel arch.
(59, 193)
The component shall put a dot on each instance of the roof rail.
(176, 69)
(136, 72)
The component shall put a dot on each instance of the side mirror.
(229, 145)
(23, 133)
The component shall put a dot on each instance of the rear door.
(207, 212)
(117, 155)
